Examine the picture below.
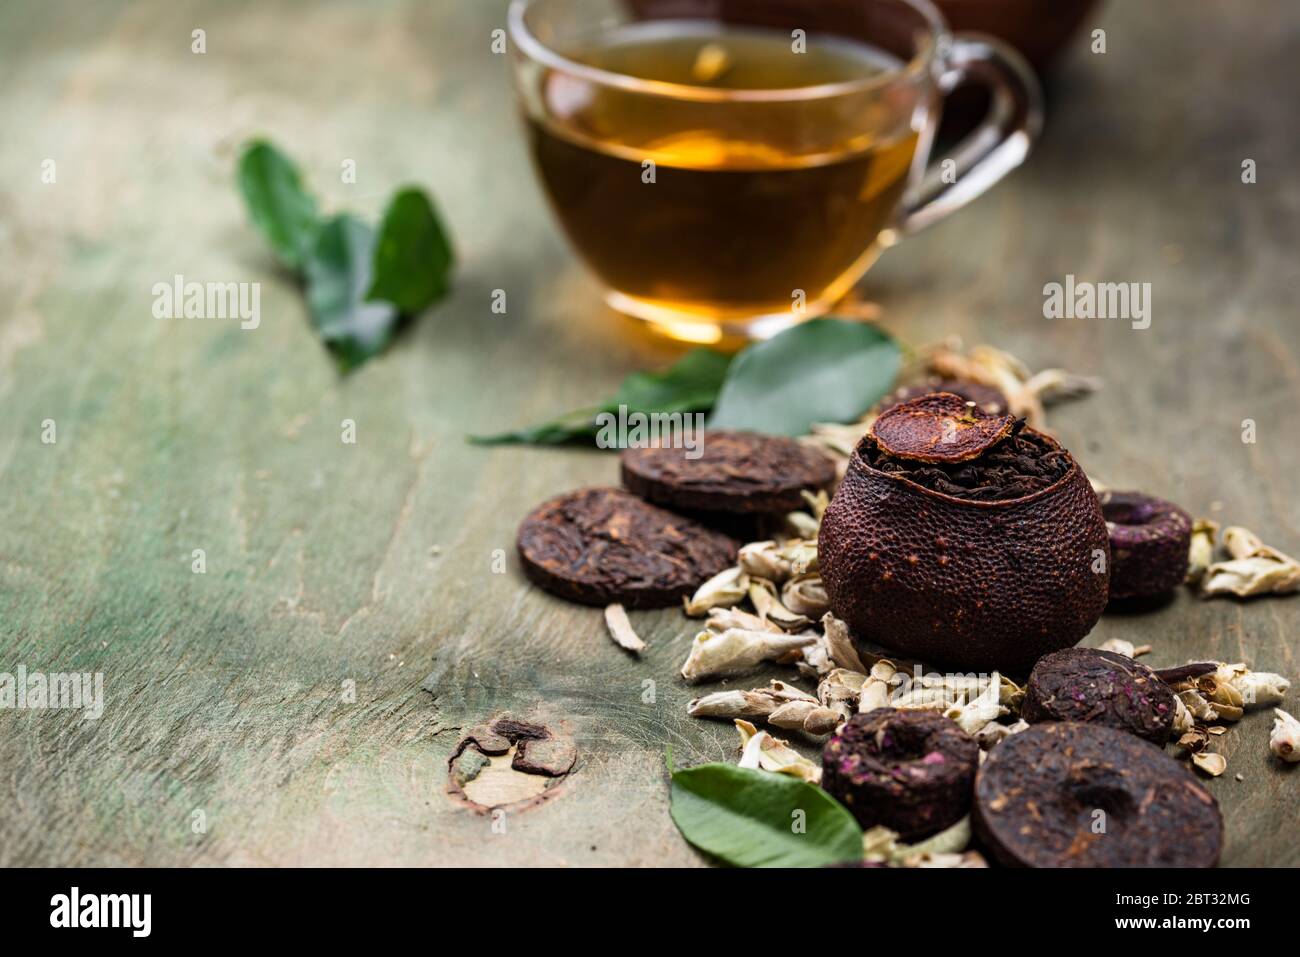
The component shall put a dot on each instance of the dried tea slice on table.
(1100, 687)
(910, 771)
(1081, 795)
(598, 546)
(735, 472)
(1149, 544)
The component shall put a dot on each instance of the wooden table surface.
(227, 736)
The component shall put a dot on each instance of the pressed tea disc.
(736, 472)
(1100, 687)
(598, 546)
(911, 771)
(1080, 795)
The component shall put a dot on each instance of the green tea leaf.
(338, 274)
(691, 385)
(413, 258)
(359, 287)
(823, 370)
(279, 205)
(570, 427)
(748, 818)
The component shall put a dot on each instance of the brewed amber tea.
(680, 200)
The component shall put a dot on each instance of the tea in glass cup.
(729, 176)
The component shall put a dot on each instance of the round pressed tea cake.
(603, 545)
(1081, 795)
(964, 539)
(1149, 541)
(911, 771)
(736, 472)
(1100, 687)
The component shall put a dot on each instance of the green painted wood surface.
(372, 562)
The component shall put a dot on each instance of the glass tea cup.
(729, 168)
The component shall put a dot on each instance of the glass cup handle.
(994, 148)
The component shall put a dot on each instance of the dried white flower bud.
(945, 849)
(974, 715)
(938, 692)
(840, 690)
(1209, 762)
(879, 843)
(822, 721)
(1200, 553)
(756, 703)
(836, 440)
(1218, 689)
(878, 687)
(802, 556)
(840, 647)
(801, 525)
(735, 650)
(1056, 385)
(763, 560)
(1232, 689)
(720, 619)
(993, 732)
(792, 715)
(1004, 372)
(723, 590)
(1241, 542)
(1284, 741)
(1255, 568)
(620, 629)
(1011, 694)
(948, 843)
(1197, 705)
(806, 595)
(1259, 689)
(918, 698)
(1184, 721)
(818, 502)
(762, 594)
(760, 751)
(1119, 646)
(810, 717)
(1126, 648)
(730, 704)
(815, 659)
